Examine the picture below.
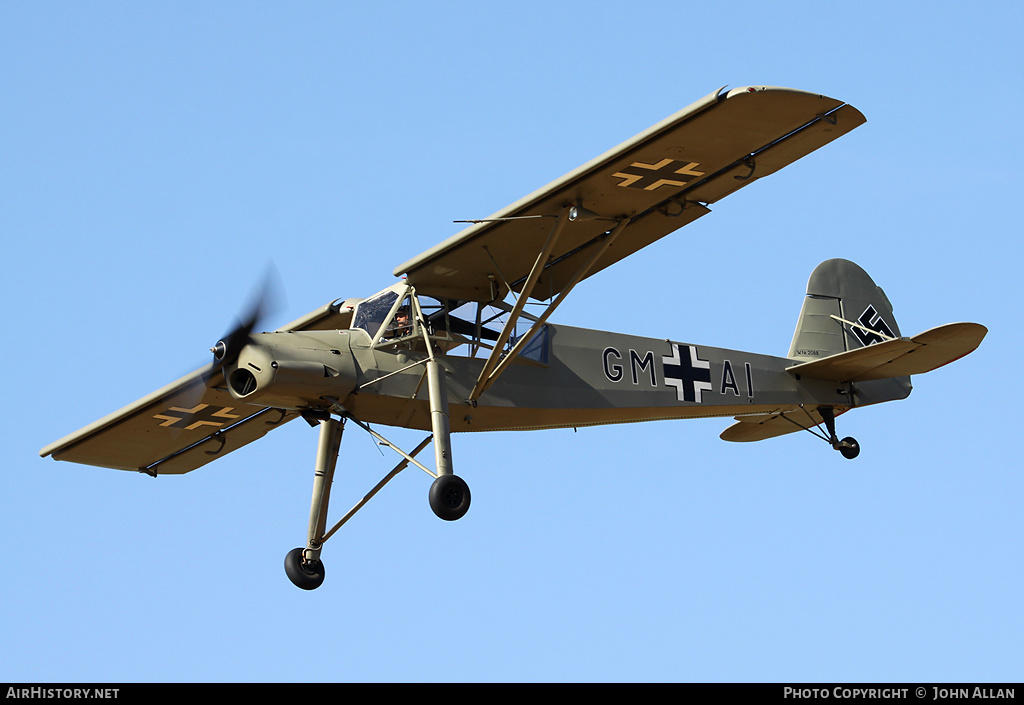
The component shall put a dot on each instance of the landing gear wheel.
(306, 575)
(449, 497)
(849, 448)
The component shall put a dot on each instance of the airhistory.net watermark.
(46, 693)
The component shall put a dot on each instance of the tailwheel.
(449, 497)
(308, 575)
(848, 447)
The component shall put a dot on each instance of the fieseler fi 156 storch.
(451, 346)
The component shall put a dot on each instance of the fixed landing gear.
(449, 497)
(449, 494)
(305, 574)
(848, 447)
(302, 565)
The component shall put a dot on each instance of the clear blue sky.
(154, 157)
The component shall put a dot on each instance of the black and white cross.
(683, 370)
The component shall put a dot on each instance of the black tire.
(849, 448)
(449, 497)
(308, 576)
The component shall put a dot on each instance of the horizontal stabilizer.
(758, 427)
(898, 357)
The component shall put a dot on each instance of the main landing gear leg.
(303, 566)
(848, 446)
(449, 493)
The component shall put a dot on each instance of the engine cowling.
(292, 371)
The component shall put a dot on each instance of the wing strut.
(602, 246)
(484, 381)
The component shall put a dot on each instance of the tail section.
(847, 334)
(839, 291)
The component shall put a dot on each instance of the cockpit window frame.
(536, 352)
(400, 293)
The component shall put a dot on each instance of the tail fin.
(839, 289)
(845, 310)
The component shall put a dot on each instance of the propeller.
(264, 300)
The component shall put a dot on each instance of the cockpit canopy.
(385, 316)
(389, 319)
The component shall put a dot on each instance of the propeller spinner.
(226, 350)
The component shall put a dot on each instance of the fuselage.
(566, 377)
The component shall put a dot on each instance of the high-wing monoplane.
(452, 347)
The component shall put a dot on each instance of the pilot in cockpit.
(401, 326)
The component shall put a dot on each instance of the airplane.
(451, 347)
